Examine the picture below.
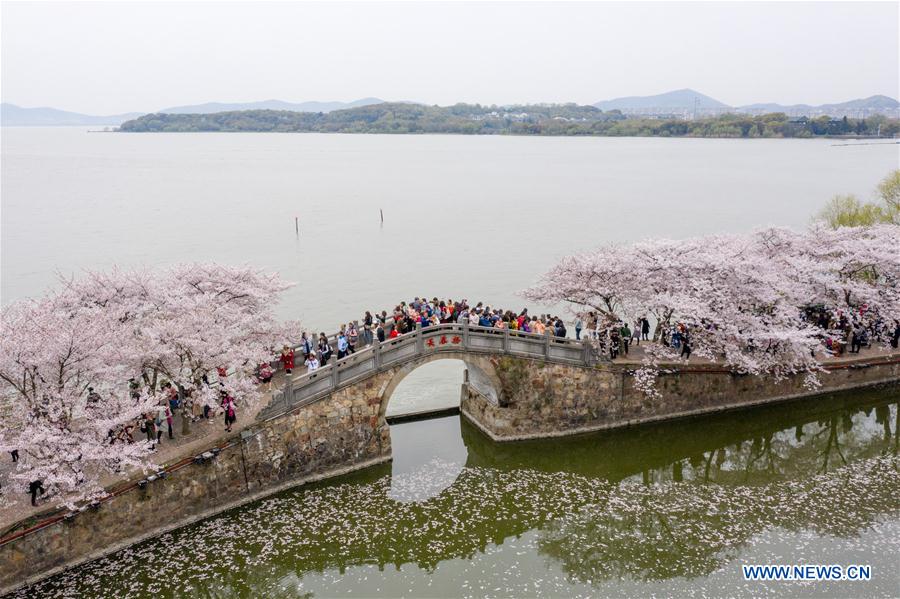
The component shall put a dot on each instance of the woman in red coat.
(287, 359)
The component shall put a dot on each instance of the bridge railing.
(301, 389)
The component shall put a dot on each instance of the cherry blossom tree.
(185, 325)
(50, 356)
(742, 297)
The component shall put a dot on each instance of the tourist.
(395, 332)
(625, 333)
(229, 409)
(148, 426)
(325, 350)
(686, 344)
(264, 373)
(171, 395)
(855, 338)
(895, 336)
(352, 338)
(368, 325)
(36, 486)
(614, 339)
(15, 455)
(379, 332)
(93, 397)
(312, 364)
(560, 328)
(306, 344)
(160, 417)
(169, 420)
(342, 345)
(579, 324)
(287, 359)
(636, 332)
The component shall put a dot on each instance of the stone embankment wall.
(323, 439)
(539, 399)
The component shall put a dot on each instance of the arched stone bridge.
(395, 358)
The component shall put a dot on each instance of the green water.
(665, 510)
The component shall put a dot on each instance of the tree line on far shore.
(475, 119)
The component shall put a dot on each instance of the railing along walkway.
(309, 387)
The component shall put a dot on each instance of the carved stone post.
(466, 333)
(547, 335)
(376, 349)
(288, 390)
(420, 341)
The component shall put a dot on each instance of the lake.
(479, 217)
(668, 510)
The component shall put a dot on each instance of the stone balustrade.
(460, 339)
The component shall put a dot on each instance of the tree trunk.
(185, 421)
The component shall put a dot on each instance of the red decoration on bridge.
(430, 342)
(443, 339)
(456, 340)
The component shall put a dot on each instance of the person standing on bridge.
(306, 344)
(312, 364)
(287, 359)
(352, 338)
(342, 345)
(325, 350)
(368, 326)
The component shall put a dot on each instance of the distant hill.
(213, 107)
(685, 102)
(676, 101)
(857, 107)
(17, 116)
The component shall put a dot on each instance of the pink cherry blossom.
(741, 296)
(178, 324)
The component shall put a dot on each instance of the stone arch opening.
(477, 371)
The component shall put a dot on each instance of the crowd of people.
(405, 317)
(158, 422)
(856, 329)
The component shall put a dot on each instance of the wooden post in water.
(297, 225)
(382, 215)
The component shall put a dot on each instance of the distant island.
(682, 104)
(540, 119)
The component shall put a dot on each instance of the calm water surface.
(667, 510)
(465, 216)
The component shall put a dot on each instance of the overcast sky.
(103, 58)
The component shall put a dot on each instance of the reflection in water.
(670, 504)
(417, 447)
